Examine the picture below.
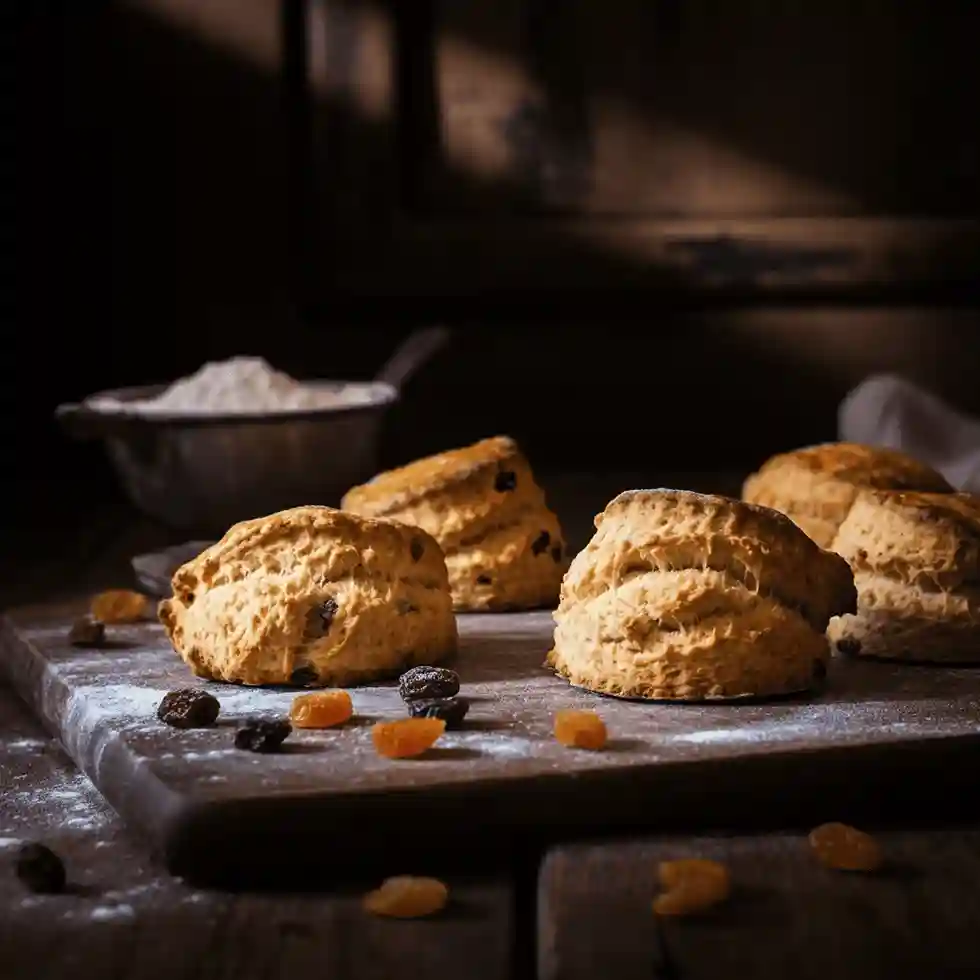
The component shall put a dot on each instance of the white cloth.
(886, 410)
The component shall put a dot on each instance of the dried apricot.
(407, 897)
(407, 737)
(844, 848)
(580, 729)
(322, 709)
(120, 606)
(691, 886)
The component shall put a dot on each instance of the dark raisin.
(506, 481)
(320, 618)
(819, 670)
(850, 648)
(427, 683)
(404, 607)
(39, 868)
(451, 710)
(86, 632)
(483, 580)
(262, 736)
(417, 548)
(304, 676)
(540, 543)
(189, 707)
(556, 553)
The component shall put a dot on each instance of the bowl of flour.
(235, 440)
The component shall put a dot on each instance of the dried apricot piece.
(580, 729)
(407, 737)
(120, 606)
(691, 886)
(407, 897)
(322, 709)
(845, 848)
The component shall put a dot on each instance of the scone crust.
(686, 596)
(916, 561)
(343, 598)
(817, 485)
(504, 548)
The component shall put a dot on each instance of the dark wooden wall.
(629, 210)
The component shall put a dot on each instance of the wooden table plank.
(124, 919)
(787, 917)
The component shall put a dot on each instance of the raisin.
(262, 736)
(844, 848)
(120, 606)
(406, 738)
(320, 618)
(483, 580)
(428, 682)
(321, 710)
(691, 885)
(39, 868)
(417, 549)
(540, 544)
(556, 553)
(407, 897)
(87, 632)
(580, 730)
(848, 647)
(306, 676)
(505, 482)
(189, 707)
(405, 607)
(451, 710)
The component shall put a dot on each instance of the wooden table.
(579, 910)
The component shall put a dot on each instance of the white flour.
(69, 802)
(241, 385)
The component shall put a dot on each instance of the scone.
(503, 546)
(816, 486)
(916, 562)
(312, 596)
(682, 596)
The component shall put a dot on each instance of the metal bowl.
(204, 473)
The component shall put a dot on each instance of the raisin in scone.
(916, 562)
(816, 486)
(683, 596)
(503, 546)
(312, 596)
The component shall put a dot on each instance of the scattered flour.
(29, 744)
(112, 913)
(243, 385)
(70, 802)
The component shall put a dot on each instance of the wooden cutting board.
(879, 738)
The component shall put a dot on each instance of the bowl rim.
(383, 396)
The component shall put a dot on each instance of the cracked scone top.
(816, 486)
(916, 562)
(684, 596)
(312, 596)
(503, 546)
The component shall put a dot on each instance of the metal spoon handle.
(413, 353)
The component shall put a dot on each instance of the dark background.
(177, 198)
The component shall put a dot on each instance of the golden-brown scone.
(503, 546)
(816, 486)
(916, 562)
(312, 596)
(682, 596)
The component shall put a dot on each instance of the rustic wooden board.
(878, 734)
(123, 917)
(787, 917)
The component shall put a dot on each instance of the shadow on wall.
(189, 261)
